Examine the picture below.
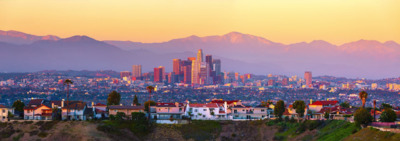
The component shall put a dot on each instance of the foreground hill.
(197, 130)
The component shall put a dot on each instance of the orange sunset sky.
(285, 21)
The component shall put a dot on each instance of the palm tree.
(363, 96)
(68, 82)
(149, 89)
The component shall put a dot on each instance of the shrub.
(362, 117)
(120, 116)
(42, 134)
(388, 115)
(35, 132)
(112, 117)
(286, 119)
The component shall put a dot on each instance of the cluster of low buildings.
(216, 109)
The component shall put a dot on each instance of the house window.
(195, 110)
(115, 110)
(180, 109)
(235, 111)
(4, 111)
(243, 110)
(204, 116)
(204, 109)
(262, 110)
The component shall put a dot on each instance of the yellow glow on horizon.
(285, 21)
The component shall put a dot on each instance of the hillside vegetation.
(331, 130)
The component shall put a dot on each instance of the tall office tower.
(308, 78)
(285, 81)
(217, 66)
(137, 71)
(159, 74)
(271, 82)
(176, 64)
(204, 74)
(236, 76)
(243, 78)
(125, 74)
(195, 71)
(200, 55)
(187, 74)
(171, 77)
(209, 61)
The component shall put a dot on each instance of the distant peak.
(78, 38)
(234, 33)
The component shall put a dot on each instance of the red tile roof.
(209, 105)
(324, 103)
(2, 106)
(125, 107)
(168, 105)
(99, 104)
(223, 101)
(35, 102)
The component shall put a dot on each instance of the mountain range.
(238, 52)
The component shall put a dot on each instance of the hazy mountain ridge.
(16, 37)
(238, 52)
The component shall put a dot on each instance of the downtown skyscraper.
(137, 71)
(308, 78)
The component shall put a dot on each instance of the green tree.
(363, 96)
(279, 109)
(113, 98)
(146, 105)
(326, 115)
(56, 113)
(68, 82)
(136, 101)
(388, 115)
(19, 106)
(138, 117)
(120, 116)
(362, 117)
(300, 107)
(385, 106)
(345, 104)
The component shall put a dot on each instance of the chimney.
(120, 104)
(92, 103)
(52, 104)
(62, 103)
(226, 107)
(310, 101)
(176, 104)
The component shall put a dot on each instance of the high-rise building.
(137, 71)
(187, 74)
(271, 82)
(374, 86)
(195, 71)
(308, 78)
(125, 74)
(204, 73)
(217, 66)
(200, 55)
(176, 64)
(209, 61)
(159, 74)
(285, 81)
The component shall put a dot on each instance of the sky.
(285, 21)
